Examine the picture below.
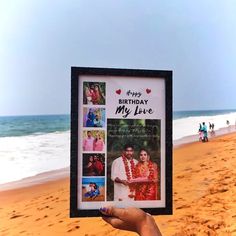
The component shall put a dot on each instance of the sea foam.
(25, 156)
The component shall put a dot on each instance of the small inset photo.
(94, 117)
(93, 164)
(94, 93)
(94, 140)
(93, 189)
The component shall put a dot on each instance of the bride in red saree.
(145, 177)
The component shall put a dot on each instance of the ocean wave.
(30, 155)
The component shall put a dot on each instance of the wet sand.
(204, 178)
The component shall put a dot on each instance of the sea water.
(30, 145)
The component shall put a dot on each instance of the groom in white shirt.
(122, 170)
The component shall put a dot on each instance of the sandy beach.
(204, 178)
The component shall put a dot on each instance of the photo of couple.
(133, 172)
(93, 164)
(93, 140)
(94, 117)
(94, 93)
(134, 179)
(93, 189)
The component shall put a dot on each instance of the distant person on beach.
(88, 142)
(227, 122)
(131, 219)
(200, 127)
(200, 132)
(205, 135)
(122, 171)
(212, 126)
(212, 131)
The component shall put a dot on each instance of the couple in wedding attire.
(134, 180)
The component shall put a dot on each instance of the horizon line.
(57, 114)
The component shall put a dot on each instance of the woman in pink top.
(98, 144)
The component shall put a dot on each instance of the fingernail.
(103, 209)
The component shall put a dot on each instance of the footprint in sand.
(202, 165)
(48, 197)
(55, 199)
(16, 216)
(42, 208)
(180, 176)
(182, 207)
(188, 168)
(74, 228)
(22, 232)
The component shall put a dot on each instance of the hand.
(131, 219)
(125, 182)
(118, 180)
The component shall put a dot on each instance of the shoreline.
(38, 179)
(63, 173)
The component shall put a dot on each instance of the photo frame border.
(163, 74)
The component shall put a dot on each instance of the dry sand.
(204, 199)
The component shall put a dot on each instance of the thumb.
(113, 211)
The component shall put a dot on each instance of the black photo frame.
(110, 105)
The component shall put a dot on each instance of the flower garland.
(128, 171)
(145, 169)
(151, 170)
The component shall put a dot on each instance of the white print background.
(156, 101)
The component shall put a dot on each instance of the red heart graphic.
(148, 91)
(118, 91)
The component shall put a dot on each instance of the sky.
(41, 40)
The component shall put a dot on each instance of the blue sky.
(41, 40)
